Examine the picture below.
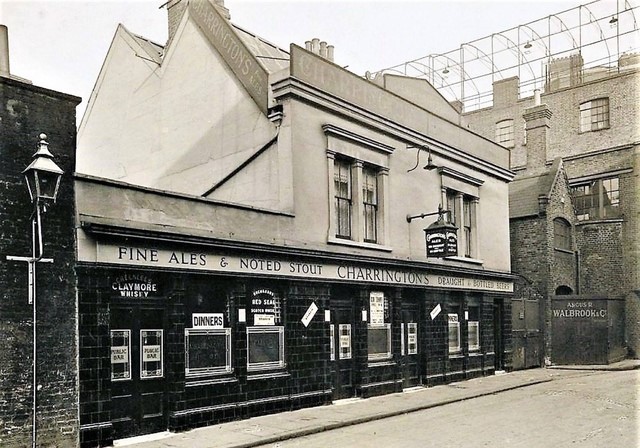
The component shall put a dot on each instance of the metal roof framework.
(600, 32)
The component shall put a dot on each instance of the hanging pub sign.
(442, 239)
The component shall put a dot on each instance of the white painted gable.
(181, 126)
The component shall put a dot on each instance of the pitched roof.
(272, 57)
(525, 191)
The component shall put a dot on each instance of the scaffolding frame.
(598, 33)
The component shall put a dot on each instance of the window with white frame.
(504, 133)
(120, 355)
(379, 328)
(265, 335)
(370, 203)
(466, 223)
(454, 333)
(207, 351)
(473, 328)
(594, 115)
(379, 342)
(597, 199)
(356, 213)
(265, 348)
(462, 210)
(342, 188)
(357, 168)
(151, 354)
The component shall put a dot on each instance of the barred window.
(504, 133)
(594, 115)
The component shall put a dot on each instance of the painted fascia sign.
(249, 71)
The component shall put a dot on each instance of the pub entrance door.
(409, 345)
(342, 352)
(138, 399)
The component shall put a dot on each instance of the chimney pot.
(536, 97)
(323, 49)
(330, 52)
(315, 45)
(307, 45)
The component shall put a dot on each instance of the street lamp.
(43, 180)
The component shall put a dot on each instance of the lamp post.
(43, 180)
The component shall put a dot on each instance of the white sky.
(61, 44)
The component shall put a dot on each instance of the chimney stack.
(4, 51)
(537, 127)
(176, 8)
(322, 49)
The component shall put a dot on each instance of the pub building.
(256, 233)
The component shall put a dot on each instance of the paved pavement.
(267, 429)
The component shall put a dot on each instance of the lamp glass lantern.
(43, 175)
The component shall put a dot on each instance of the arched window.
(561, 234)
(504, 133)
(563, 290)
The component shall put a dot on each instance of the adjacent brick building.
(593, 126)
(26, 111)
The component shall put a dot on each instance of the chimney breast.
(537, 120)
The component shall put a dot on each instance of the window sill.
(465, 260)
(190, 382)
(588, 131)
(363, 245)
(566, 251)
(267, 376)
(599, 221)
(374, 363)
(475, 354)
(456, 356)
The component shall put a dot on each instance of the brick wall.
(25, 112)
(588, 154)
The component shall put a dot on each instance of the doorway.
(138, 371)
(342, 353)
(409, 345)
